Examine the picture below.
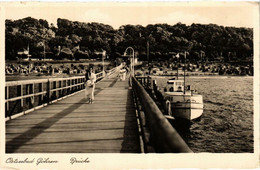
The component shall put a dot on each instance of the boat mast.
(177, 72)
(184, 70)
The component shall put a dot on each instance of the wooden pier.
(109, 125)
(55, 117)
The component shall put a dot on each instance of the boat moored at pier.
(181, 101)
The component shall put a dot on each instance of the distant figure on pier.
(122, 74)
(90, 85)
(127, 71)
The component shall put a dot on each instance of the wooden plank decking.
(71, 126)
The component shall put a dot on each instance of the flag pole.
(178, 60)
(178, 67)
(28, 49)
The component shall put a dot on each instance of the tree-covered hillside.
(75, 39)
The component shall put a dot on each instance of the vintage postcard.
(129, 85)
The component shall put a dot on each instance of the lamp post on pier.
(103, 58)
(132, 62)
(132, 59)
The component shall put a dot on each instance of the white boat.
(181, 102)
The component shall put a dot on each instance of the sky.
(238, 14)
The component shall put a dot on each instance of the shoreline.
(204, 76)
(19, 77)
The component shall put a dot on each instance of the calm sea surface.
(227, 121)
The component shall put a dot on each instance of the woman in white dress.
(90, 85)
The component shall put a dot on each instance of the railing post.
(77, 86)
(149, 82)
(64, 84)
(76, 82)
(60, 86)
(27, 92)
(69, 84)
(73, 83)
(72, 88)
(79, 83)
(49, 91)
(32, 99)
(82, 81)
(41, 90)
(54, 93)
(7, 97)
(7, 104)
(21, 93)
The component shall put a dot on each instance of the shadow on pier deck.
(70, 125)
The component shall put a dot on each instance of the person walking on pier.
(90, 85)
(122, 74)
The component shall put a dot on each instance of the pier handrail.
(47, 90)
(164, 137)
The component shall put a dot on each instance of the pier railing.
(163, 137)
(146, 81)
(25, 96)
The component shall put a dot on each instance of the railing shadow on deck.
(131, 137)
(40, 128)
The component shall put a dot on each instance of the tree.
(163, 39)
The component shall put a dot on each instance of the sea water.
(226, 125)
